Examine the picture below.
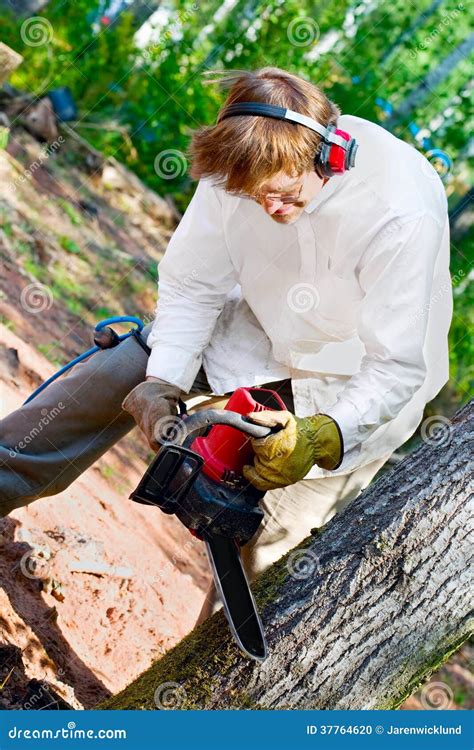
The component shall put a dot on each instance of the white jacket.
(353, 301)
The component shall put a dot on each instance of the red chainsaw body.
(226, 450)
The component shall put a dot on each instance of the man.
(329, 286)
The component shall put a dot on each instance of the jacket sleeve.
(396, 275)
(195, 277)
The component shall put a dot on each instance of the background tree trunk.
(140, 9)
(359, 613)
(24, 7)
(143, 9)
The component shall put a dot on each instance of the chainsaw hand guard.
(169, 478)
(174, 483)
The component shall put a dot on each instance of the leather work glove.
(286, 456)
(154, 405)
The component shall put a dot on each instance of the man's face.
(284, 198)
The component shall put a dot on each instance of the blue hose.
(117, 319)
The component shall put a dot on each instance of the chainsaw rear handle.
(210, 417)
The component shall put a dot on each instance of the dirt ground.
(92, 586)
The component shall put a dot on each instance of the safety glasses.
(286, 199)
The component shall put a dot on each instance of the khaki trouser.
(47, 444)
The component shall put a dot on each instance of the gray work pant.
(47, 444)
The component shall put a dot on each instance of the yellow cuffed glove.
(286, 456)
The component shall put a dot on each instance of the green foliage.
(69, 245)
(356, 51)
(141, 104)
(462, 328)
(49, 353)
(71, 212)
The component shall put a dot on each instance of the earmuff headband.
(280, 113)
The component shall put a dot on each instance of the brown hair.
(242, 152)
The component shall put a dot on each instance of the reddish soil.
(93, 588)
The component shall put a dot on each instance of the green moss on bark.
(203, 657)
(193, 664)
(434, 661)
(269, 584)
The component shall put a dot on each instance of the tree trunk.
(461, 218)
(24, 7)
(359, 614)
(142, 10)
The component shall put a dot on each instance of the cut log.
(360, 613)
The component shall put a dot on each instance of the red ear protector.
(338, 148)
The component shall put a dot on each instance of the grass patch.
(22, 247)
(104, 312)
(74, 216)
(33, 268)
(48, 352)
(6, 226)
(65, 283)
(69, 245)
(7, 323)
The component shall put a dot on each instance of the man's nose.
(271, 206)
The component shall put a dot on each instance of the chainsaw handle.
(209, 417)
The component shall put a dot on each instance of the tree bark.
(359, 614)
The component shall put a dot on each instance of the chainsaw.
(199, 479)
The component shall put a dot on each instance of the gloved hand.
(286, 456)
(153, 404)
